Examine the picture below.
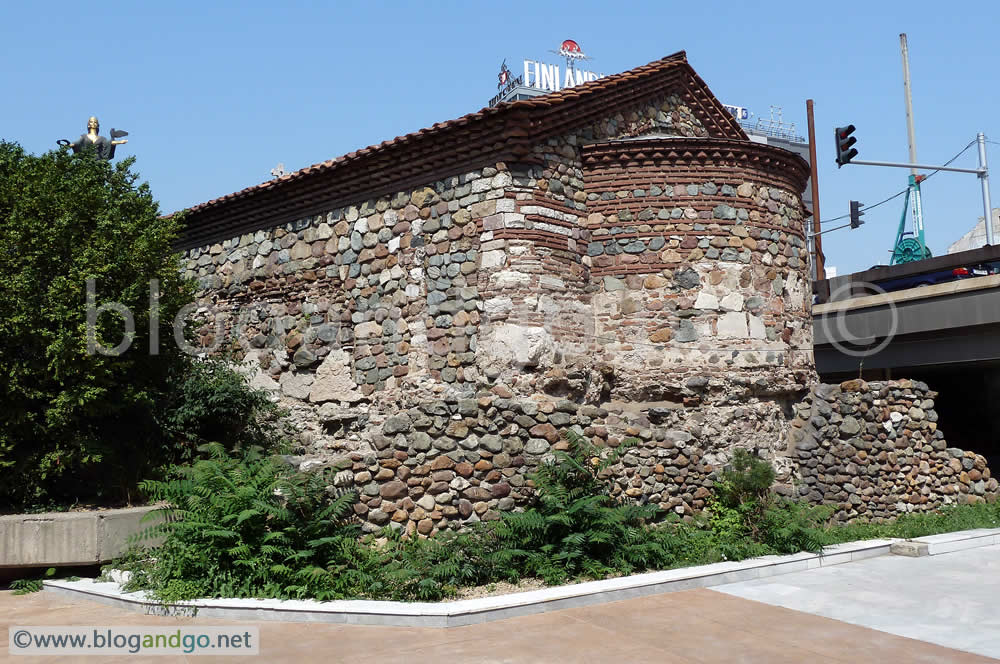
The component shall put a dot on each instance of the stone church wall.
(635, 278)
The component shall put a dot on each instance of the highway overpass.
(947, 335)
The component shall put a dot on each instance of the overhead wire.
(948, 163)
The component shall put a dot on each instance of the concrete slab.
(475, 611)
(68, 539)
(948, 599)
(934, 545)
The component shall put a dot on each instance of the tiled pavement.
(948, 599)
(689, 626)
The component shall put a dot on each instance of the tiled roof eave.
(507, 132)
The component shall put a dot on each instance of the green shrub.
(917, 524)
(250, 526)
(751, 520)
(743, 494)
(577, 527)
(31, 585)
(208, 401)
(428, 569)
(71, 421)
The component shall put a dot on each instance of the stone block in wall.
(333, 380)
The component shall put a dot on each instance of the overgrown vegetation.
(250, 526)
(577, 528)
(78, 425)
(34, 584)
(31, 585)
(744, 508)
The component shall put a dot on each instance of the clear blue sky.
(215, 94)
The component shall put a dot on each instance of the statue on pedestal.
(92, 140)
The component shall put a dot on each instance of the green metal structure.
(912, 248)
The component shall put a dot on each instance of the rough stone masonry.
(617, 257)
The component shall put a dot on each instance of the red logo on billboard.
(571, 49)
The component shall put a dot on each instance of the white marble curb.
(934, 545)
(473, 611)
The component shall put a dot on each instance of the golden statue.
(92, 140)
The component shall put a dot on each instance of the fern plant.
(578, 527)
(247, 526)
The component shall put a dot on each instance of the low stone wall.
(872, 449)
(875, 450)
(444, 463)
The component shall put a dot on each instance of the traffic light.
(856, 213)
(845, 153)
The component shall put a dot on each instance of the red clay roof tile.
(497, 126)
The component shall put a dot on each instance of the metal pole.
(984, 177)
(926, 167)
(918, 216)
(909, 101)
(816, 241)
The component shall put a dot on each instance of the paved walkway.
(951, 599)
(683, 627)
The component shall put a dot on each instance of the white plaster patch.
(552, 228)
(519, 345)
(547, 281)
(509, 279)
(497, 306)
(505, 205)
(258, 379)
(296, 386)
(547, 212)
(333, 380)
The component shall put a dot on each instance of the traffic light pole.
(983, 173)
(984, 177)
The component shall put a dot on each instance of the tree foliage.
(77, 424)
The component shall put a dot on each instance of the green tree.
(74, 423)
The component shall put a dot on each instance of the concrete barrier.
(65, 539)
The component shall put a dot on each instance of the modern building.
(976, 237)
